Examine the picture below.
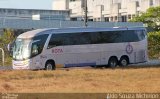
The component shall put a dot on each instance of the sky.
(26, 4)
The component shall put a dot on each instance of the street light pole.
(85, 12)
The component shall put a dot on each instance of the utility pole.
(86, 16)
(85, 9)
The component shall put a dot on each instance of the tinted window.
(69, 39)
(127, 36)
(80, 38)
(114, 37)
(57, 39)
(101, 37)
(95, 37)
(38, 44)
(141, 34)
(110, 36)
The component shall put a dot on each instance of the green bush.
(154, 45)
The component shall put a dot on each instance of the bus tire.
(124, 61)
(50, 65)
(113, 62)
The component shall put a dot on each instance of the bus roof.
(33, 33)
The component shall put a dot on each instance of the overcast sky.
(26, 4)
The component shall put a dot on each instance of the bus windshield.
(21, 49)
(27, 48)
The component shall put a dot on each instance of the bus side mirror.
(10, 49)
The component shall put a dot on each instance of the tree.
(151, 17)
(6, 38)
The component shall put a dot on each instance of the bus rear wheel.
(113, 62)
(49, 66)
(124, 61)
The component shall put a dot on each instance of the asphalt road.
(150, 63)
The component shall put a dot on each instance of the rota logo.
(57, 51)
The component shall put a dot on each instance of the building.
(105, 10)
(27, 18)
(29, 13)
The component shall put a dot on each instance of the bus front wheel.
(113, 62)
(50, 65)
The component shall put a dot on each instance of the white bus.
(70, 47)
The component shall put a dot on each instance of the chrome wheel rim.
(113, 63)
(49, 67)
(124, 62)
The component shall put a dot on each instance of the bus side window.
(130, 36)
(38, 44)
(51, 42)
(141, 34)
(55, 40)
(35, 50)
(81, 38)
(95, 37)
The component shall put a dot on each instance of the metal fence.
(2, 57)
(29, 24)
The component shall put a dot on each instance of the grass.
(129, 80)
